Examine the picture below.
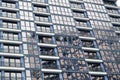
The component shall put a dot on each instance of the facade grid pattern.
(59, 40)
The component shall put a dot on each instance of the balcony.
(91, 55)
(9, 6)
(40, 3)
(10, 64)
(75, 6)
(117, 29)
(11, 40)
(46, 41)
(80, 16)
(115, 20)
(51, 76)
(12, 78)
(115, 23)
(50, 66)
(78, 9)
(10, 29)
(11, 52)
(40, 10)
(114, 15)
(11, 17)
(42, 20)
(111, 6)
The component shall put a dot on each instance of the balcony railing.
(85, 34)
(11, 64)
(11, 27)
(8, 15)
(11, 78)
(16, 51)
(40, 9)
(50, 66)
(39, 1)
(113, 11)
(93, 68)
(8, 5)
(44, 29)
(46, 41)
(11, 38)
(48, 53)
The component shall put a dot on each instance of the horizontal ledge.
(9, 9)
(43, 23)
(12, 0)
(76, 1)
(12, 68)
(115, 15)
(13, 42)
(11, 30)
(41, 4)
(52, 70)
(9, 19)
(42, 13)
(112, 0)
(115, 23)
(87, 38)
(78, 9)
(97, 73)
(82, 19)
(84, 28)
(44, 33)
(90, 49)
(118, 32)
(49, 57)
(94, 60)
(111, 6)
(47, 45)
(11, 54)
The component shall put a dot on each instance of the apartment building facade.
(59, 40)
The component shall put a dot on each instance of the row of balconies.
(47, 65)
(85, 35)
(115, 14)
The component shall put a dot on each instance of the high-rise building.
(59, 40)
